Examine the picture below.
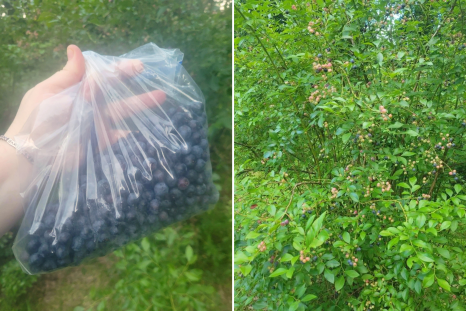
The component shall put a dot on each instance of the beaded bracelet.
(12, 143)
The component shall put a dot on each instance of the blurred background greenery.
(186, 266)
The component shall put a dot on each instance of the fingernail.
(139, 67)
(70, 53)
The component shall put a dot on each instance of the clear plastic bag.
(118, 156)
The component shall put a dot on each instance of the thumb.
(71, 74)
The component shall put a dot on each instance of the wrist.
(8, 160)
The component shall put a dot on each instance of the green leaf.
(308, 297)
(443, 284)
(393, 242)
(189, 253)
(420, 220)
(418, 286)
(385, 233)
(445, 225)
(425, 257)
(404, 185)
(290, 272)
(443, 252)
(278, 272)
(317, 225)
(395, 125)
(345, 137)
(329, 276)
(286, 257)
(252, 235)
(333, 263)
(458, 188)
(411, 133)
(245, 270)
(145, 244)
(346, 237)
(351, 273)
(354, 196)
(339, 283)
(380, 58)
(428, 280)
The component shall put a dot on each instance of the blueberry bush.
(33, 47)
(350, 125)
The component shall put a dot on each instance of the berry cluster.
(312, 30)
(384, 112)
(284, 223)
(353, 261)
(262, 247)
(334, 192)
(303, 258)
(317, 95)
(126, 192)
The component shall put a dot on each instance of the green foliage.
(14, 283)
(146, 280)
(350, 129)
(33, 46)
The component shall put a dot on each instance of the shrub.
(350, 127)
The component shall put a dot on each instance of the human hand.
(72, 74)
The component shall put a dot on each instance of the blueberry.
(159, 176)
(200, 165)
(185, 132)
(33, 245)
(77, 243)
(191, 191)
(63, 237)
(35, 260)
(62, 252)
(175, 194)
(204, 144)
(152, 164)
(180, 202)
(132, 199)
(90, 245)
(185, 148)
(192, 176)
(142, 145)
(148, 195)
(103, 187)
(196, 137)
(160, 189)
(154, 206)
(49, 265)
(151, 151)
(197, 151)
(352, 61)
(134, 172)
(180, 169)
(319, 55)
(179, 118)
(165, 204)
(191, 201)
(183, 183)
(171, 181)
(189, 160)
(201, 189)
(164, 216)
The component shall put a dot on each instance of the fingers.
(134, 104)
(125, 68)
(70, 75)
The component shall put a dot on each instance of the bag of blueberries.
(120, 155)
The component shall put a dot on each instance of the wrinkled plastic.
(116, 157)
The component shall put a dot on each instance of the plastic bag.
(118, 156)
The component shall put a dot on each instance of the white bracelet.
(12, 143)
